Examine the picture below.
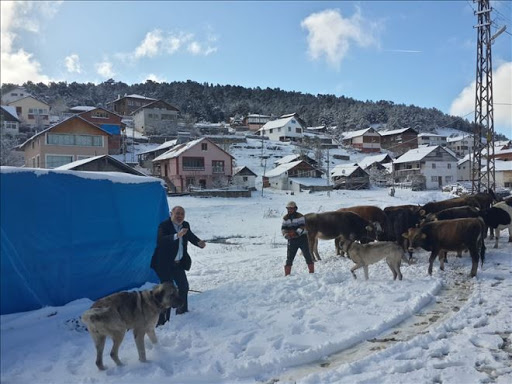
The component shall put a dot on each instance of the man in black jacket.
(171, 259)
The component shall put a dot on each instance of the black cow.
(399, 219)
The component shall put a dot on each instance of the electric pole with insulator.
(483, 174)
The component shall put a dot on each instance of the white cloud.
(157, 42)
(73, 63)
(105, 70)
(330, 35)
(150, 45)
(154, 78)
(16, 65)
(502, 97)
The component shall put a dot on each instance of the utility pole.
(328, 174)
(484, 108)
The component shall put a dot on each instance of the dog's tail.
(94, 314)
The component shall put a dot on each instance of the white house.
(464, 169)
(461, 145)
(435, 165)
(287, 128)
(503, 173)
(244, 177)
(431, 139)
(280, 177)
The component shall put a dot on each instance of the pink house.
(199, 163)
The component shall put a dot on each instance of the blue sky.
(411, 52)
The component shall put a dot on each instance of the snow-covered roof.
(279, 170)
(344, 169)
(11, 110)
(430, 135)
(461, 137)
(393, 132)
(178, 150)
(135, 96)
(237, 170)
(287, 159)
(369, 160)
(501, 166)
(352, 134)
(78, 162)
(82, 108)
(167, 144)
(276, 123)
(463, 160)
(419, 153)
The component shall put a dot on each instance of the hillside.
(217, 103)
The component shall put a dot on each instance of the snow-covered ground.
(250, 323)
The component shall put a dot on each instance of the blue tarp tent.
(68, 234)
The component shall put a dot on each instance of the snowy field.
(251, 324)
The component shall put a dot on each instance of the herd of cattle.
(458, 224)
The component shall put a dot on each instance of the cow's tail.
(482, 253)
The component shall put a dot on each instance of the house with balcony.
(364, 140)
(399, 141)
(157, 118)
(127, 104)
(286, 128)
(110, 122)
(462, 145)
(431, 139)
(426, 167)
(9, 122)
(254, 121)
(199, 163)
(33, 113)
(69, 140)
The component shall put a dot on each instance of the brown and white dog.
(115, 314)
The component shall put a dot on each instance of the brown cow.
(331, 225)
(436, 206)
(450, 235)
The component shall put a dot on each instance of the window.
(152, 116)
(9, 124)
(193, 163)
(217, 166)
(53, 161)
(166, 116)
(289, 129)
(189, 181)
(204, 147)
(279, 129)
(297, 130)
(245, 178)
(100, 114)
(70, 139)
(449, 166)
(433, 165)
(434, 179)
(271, 131)
(448, 179)
(18, 110)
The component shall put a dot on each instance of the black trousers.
(294, 245)
(179, 277)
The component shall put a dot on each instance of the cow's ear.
(369, 228)
(405, 235)
(423, 236)
(422, 212)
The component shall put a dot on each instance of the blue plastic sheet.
(114, 129)
(65, 237)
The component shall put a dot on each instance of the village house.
(110, 122)
(461, 145)
(286, 128)
(350, 176)
(10, 124)
(399, 141)
(431, 167)
(431, 139)
(244, 177)
(33, 113)
(103, 163)
(145, 158)
(290, 176)
(125, 105)
(69, 140)
(503, 173)
(464, 169)
(14, 94)
(199, 163)
(364, 140)
(254, 121)
(376, 161)
(158, 118)
(295, 157)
